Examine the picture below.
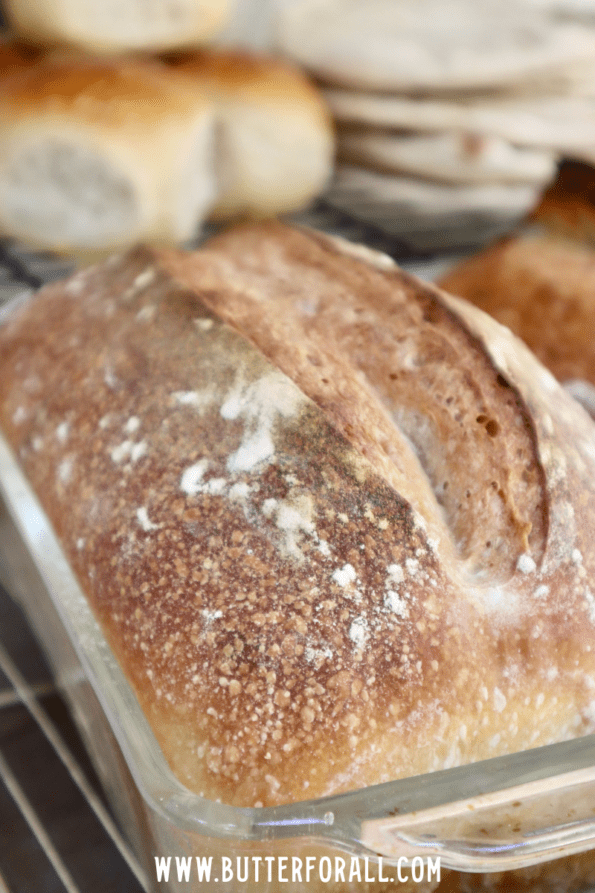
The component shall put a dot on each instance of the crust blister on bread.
(294, 623)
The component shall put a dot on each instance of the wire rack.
(58, 835)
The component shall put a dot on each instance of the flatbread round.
(430, 216)
(455, 157)
(429, 44)
(563, 124)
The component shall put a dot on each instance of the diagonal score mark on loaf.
(404, 380)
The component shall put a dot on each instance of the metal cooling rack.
(57, 833)
(22, 270)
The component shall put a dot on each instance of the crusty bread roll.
(95, 155)
(337, 525)
(276, 147)
(116, 25)
(543, 288)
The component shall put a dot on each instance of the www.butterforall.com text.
(294, 869)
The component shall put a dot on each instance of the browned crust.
(242, 75)
(368, 325)
(543, 289)
(568, 206)
(14, 56)
(113, 92)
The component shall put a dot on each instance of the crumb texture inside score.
(386, 368)
(330, 546)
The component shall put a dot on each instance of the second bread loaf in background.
(543, 289)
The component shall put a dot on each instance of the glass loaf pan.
(496, 815)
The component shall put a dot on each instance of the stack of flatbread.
(452, 116)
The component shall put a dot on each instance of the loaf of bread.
(96, 155)
(543, 288)
(276, 144)
(338, 526)
(114, 25)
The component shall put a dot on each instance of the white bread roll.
(116, 25)
(276, 147)
(95, 155)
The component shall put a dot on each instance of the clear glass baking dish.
(500, 814)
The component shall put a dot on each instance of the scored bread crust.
(292, 623)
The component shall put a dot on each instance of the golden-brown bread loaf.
(543, 288)
(338, 526)
(95, 155)
(276, 146)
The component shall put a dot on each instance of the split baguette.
(337, 525)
